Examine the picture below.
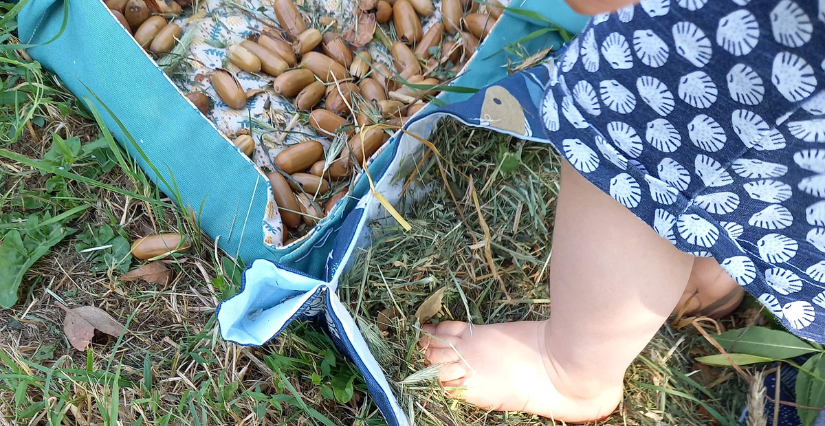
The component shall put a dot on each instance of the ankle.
(570, 383)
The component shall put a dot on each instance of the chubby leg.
(613, 282)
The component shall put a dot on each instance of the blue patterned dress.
(706, 118)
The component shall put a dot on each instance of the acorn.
(391, 108)
(228, 88)
(451, 13)
(383, 12)
(158, 245)
(324, 67)
(339, 99)
(373, 139)
(404, 57)
(166, 39)
(310, 95)
(306, 41)
(292, 82)
(311, 214)
(494, 11)
(326, 122)
(287, 203)
(200, 100)
(290, 19)
(136, 13)
(310, 184)
(450, 52)
(333, 201)
(414, 108)
(479, 24)
(271, 63)
(118, 5)
(383, 76)
(243, 58)
(422, 7)
(245, 143)
(335, 47)
(299, 157)
(431, 39)
(470, 43)
(169, 7)
(371, 90)
(122, 19)
(407, 25)
(361, 64)
(149, 29)
(280, 47)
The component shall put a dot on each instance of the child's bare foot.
(508, 367)
(710, 291)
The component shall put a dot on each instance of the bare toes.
(442, 355)
(451, 328)
(452, 372)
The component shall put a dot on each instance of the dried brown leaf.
(365, 30)
(80, 324)
(430, 306)
(385, 318)
(154, 272)
(252, 92)
(367, 5)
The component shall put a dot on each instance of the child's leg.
(710, 290)
(613, 282)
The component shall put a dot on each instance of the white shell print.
(701, 253)
(602, 17)
(745, 85)
(571, 55)
(815, 214)
(821, 14)
(650, 49)
(590, 52)
(625, 190)
(768, 190)
(799, 314)
(692, 44)
(655, 8)
(772, 304)
(775, 216)
(663, 135)
(572, 114)
(674, 174)
(697, 89)
(740, 268)
(706, 133)
(711, 172)
(617, 97)
(790, 24)
(814, 185)
(692, 5)
(816, 237)
(625, 138)
(586, 97)
(815, 105)
(783, 281)
(655, 94)
(817, 273)
(663, 224)
(616, 52)
(819, 299)
(777, 248)
(808, 130)
(610, 153)
(738, 32)
(733, 229)
(792, 76)
(626, 13)
(749, 126)
(661, 192)
(811, 159)
(772, 141)
(580, 156)
(718, 203)
(696, 230)
(550, 111)
(754, 169)
(637, 165)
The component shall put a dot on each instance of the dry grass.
(173, 368)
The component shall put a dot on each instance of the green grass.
(77, 201)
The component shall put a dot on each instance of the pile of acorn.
(311, 66)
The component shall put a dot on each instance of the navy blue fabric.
(705, 118)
